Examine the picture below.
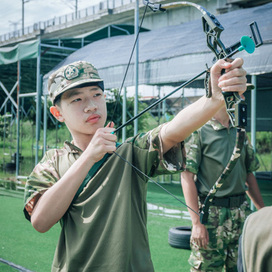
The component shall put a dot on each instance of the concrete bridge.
(116, 12)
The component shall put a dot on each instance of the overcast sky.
(35, 11)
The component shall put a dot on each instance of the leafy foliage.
(4, 127)
(264, 141)
(145, 122)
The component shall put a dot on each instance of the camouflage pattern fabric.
(105, 228)
(224, 228)
(56, 162)
(240, 139)
(47, 172)
(208, 151)
(71, 76)
(193, 144)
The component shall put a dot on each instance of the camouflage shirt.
(48, 171)
(105, 228)
(208, 152)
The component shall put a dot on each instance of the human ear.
(56, 113)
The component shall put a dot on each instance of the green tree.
(114, 106)
(4, 127)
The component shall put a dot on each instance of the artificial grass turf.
(22, 245)
(166, 258)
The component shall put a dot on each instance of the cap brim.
(80, 82)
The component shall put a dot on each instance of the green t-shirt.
(105, 228)
(208, 152)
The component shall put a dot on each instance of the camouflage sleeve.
(42, 177)
(158, 162)
(252, 162)
(193, 152)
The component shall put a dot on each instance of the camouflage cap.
(71, 76)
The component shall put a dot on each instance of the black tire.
(10, 167)
(179, 237)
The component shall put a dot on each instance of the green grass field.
(22, 245)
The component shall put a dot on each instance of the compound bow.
(235, 106)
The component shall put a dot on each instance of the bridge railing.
(89, 11)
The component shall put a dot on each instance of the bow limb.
(164, 7)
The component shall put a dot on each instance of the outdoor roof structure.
(92, 36)
(177, 53)
(52, 52)
(28, 61)
(167, 56)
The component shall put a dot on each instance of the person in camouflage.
(104, 224)
(214, 246)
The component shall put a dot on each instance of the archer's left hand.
(233, 80)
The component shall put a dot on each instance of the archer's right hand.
(102, 142)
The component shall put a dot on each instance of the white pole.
(136, 23)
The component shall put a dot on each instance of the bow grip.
(236, 109)
(241, 114)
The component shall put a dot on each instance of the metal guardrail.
(42, 25)
(13, 186)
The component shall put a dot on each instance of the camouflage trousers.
(224, 226)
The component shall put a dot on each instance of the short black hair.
(57, 100)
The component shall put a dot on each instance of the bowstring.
(149, 178)
(129, 61)
(115, 107)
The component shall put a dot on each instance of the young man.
(104, 227)
(215, 245)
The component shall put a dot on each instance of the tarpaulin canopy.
(21, 51)
(52, 52)
(177, 53)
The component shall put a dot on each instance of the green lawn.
(22, 245)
